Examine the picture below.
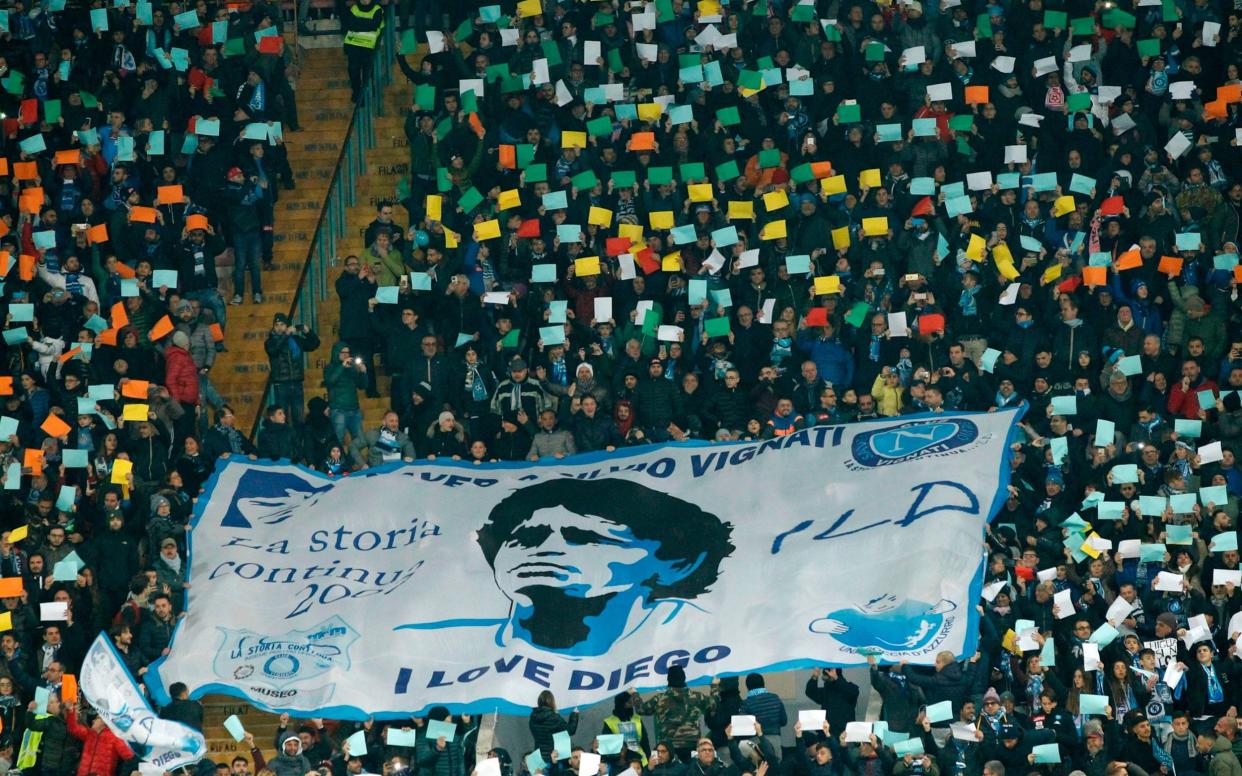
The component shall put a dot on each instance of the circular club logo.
(915, 439)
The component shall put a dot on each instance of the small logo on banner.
(886, 624)
(912, 440)
(275, 662)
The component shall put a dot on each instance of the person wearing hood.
(290, 761)
(624, 722)
(344, 377)
(318, 436)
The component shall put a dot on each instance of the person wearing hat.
(520, 396)
(286, 346)
(241, 197)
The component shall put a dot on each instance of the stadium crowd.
(638, 223)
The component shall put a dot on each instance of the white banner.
(111, 691)
(477, 587)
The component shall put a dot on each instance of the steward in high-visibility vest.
(363, 25)
(624, 722)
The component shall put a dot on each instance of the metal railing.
(341, 195)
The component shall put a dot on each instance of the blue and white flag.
(112, 692)
(475, 587)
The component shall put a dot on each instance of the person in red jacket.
(1184, 395)
(180, 373)
(102, 751)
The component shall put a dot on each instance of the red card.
(1112, 206)
(615, 246)
(922, 207)
(931, 323)
(817, 316)
(529, 228)
(272, 44)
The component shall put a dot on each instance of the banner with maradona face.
(477, 587)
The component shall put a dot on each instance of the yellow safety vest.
(613, 723)
(364, 39)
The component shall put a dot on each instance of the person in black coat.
(182, 709)
(278, 439)
(835, 694)
(355, 289)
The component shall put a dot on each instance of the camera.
(358, 361)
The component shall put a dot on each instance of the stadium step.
(221, 747)
(240, 373)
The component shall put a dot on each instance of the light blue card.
(1046, 753)
(75, 459)
(1217, 495)
(1065, 405)
(1130, 366)
(1188, 241)
(889, 133)
(15, 336)
(44, 239)
(164, 277)
(21, 312)
(1105, 431)
(105, 392)
(552, 335)
(555, 200)
(420, 281)
(543, 273)
(610, 743)
(8, 427)
(1124, 472)
(387, 294)
(406, 738)
(561, 744)
(1183, 503)
(86, 405)
(1152, 553)
(798, 264)
(1110, 510)
(725, 236)
(1092, 704)
(1152, 506)
(940, 712)
(923, 187)
(558, 310)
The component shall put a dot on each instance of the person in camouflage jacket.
(677, 711)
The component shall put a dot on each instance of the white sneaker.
(258, 298)
(236, 299)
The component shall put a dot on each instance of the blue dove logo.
(911, 440)
(883, 623)
(270, 498)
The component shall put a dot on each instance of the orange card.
(25, 171)
(508, 157)
(217, 333)
(196, 221)
(142, 215)
(30, 205)
(1217, 109)
(976, 95)
(6, 385)
(11, 587)
(135, 389)
(1229, 93)
(642, 141)
(67, 356)
(1095, 276)
(70, 157)
(120, 318)
(170, 195)
(162, 328)
(1170, 265)
(4, 228)
(5, 257)
(26, 267)
(68, 688)
(97, 234)
(33, 459)
(124, 270)
(1129, 260)
(54, 426)
(107, 337)
(4, 166)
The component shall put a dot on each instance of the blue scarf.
(970, 308)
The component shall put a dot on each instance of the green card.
(802, 13)
(727, 171)
(660, 176)
(1149, 47)
(443, 181)
(408, 44)
(551, 52)
(962, 122)
(750, 79)
(651, 322)
(525, 154)
(831, 33)
(470, 200)
(464, 29)
(728, 117)
(511, 339)
(1078, 101)
(88, 100)
(234, 47)
(692, 171)
(1115, 17)
(624, 179)
(717, 327)
(802, 173)
(770, 157)
(857, 314)
(1055, 19)
(444, 127)
(425, 97)
(536, 173)
(585, 180)
(1083, 25)
(51, 111)
(469, 102)
(497, 72)
(874, 52)
(614, 60)
(599, 127)
(849, 114)
(983, 26)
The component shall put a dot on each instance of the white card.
(603, 308)
(641, 309)
(591, 51)
(669, 333)
(1080, 53)
(1064, 601)
(897, 325)
(992, 590)
(812, 720)
(588, 764)
(1129, 548)
(748, 258)
(1172, 674)
(743, 725)
(940, 92)
(1118, 611)
(628, 270)
(1182, 90)
(1010, 294)
(915, 55)
(475, 85)
(1106, 94)
(979, 181)
(54, 612)
(1211, 34)
(1168, 581)
(1046, 575)
(435, 41)
(644, 21)
(563, 95)
(508, 37)
(1123, 123)
(1030, 119)
(495, 297)
(1225, 576)
(647, 52)
(1210, 453)
(488, 767)
(963, 731)
(1045, 66)
(1015, 154)
(765, 315)
(1090, 657)
(857, 732)
(1003, 64)
(539, 72)
(964, 49)
(1177, 145)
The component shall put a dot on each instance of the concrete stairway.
(324, 108)
(220, 745)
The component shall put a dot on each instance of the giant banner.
(477, 587)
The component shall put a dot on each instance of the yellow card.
(509, 199)
(527, 8)
(700, 192)
(775, 200)
(650, 111)
(120, 468)
(1051, 274)
(18, 533)
(632, 231)
(870, 178)
(875, 227)
(587, 265)
(841, 237)
(600, 216)
(487, 230)
(774, 231)
(741, 209)
(974, 251)
(827, 284)
(6, 621)
(573, 140)
(135, 412)
(671, 262)
(1063, 205)
(451, 239)
(834, 185)
(662, 219)
(435, 207)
